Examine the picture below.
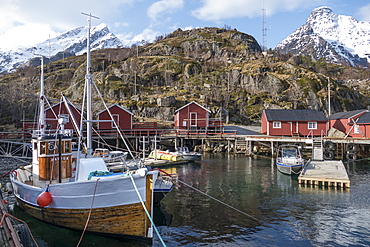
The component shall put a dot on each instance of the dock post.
(272, 148)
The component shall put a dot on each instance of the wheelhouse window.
(312, 125)
(276, 125)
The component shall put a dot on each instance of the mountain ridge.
(337, 38)
(69, 43)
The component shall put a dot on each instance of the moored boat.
(165, 155)
(79, 192)
(186, 154)
(289, 159)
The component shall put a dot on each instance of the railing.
(205, 133)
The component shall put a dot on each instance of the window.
(312, 125)
(276, 125)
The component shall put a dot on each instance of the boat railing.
(52, 133)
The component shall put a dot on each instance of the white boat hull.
(116, 207)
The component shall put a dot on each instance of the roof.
(193, 102)
(62, 103)
(118, 107)
(347, 114)
(300, 115)
(364, 119)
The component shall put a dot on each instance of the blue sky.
(25, 22)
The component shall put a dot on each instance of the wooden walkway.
(330, 173)
(8, 235)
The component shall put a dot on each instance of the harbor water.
(233, 200)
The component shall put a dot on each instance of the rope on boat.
(88, 217)
(250, 216)
(146, 211)
(7, 214)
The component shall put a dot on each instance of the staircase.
(241, 145)
(317, 149)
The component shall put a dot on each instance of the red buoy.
(44, 199)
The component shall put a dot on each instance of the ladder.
(317, 149)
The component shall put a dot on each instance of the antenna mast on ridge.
(264, 29)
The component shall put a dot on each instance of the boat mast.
(88, 81)
(42, 124)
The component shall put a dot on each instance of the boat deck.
(330, 173)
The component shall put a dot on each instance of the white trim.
(312, 125)
(276, 124)
(193, 119)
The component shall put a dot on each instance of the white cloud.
(217, 10)
(121, 24)
(25, 36)
(23, 21)
(147, 35)
(364, 13)
(160, 7)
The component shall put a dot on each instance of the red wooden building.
(54, 112)
(361, 126)
(192, 116)
(344, 122)
(298, 122)
(122, 117)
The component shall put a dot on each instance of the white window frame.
(312, 125)
(276, 125)
(116, 119)
(193, 119)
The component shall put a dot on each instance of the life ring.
(328, 155)
(329, 145)
(351, 156)
(352, 147)
(51, 146)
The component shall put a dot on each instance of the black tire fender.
(352, 147)
(328, 155)
(351, 156)
(329, 145)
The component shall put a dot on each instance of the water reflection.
(287, 213)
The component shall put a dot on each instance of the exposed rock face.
(217, 68)
(336, 38)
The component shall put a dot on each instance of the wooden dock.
(8, 235)
(330, 173)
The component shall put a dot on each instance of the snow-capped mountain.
(339, 39)
(70, 43)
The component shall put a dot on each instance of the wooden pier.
(330, 173)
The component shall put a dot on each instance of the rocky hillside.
(221, 69)
(337, 38)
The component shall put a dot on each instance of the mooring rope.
(88, 217)
(146, 211)
(223, 203)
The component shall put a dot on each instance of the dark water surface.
(276, 210)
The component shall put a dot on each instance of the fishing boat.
(165, 155)
(79, 192)
(186, 154)
(289, 159)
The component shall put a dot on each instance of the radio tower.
(264, 30)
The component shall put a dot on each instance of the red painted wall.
(122, 118)
(60, 108)
(191, 116)
(287, 128)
